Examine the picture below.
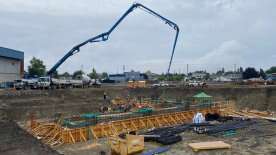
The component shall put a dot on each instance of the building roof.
(116, 75)
(10, 53)
(202, 95)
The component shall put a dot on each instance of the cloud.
(61, 7)
(212, 33)
(229, 52)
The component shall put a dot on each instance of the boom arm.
(104, 36)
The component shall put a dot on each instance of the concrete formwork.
(55, 134)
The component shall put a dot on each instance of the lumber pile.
(49, 133)
(253, 114)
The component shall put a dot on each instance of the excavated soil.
(18, 106)
(46, 103)
(16, 141)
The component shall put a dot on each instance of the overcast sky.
(213, 33)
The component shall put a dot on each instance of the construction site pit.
(78, 124)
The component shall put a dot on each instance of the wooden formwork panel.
(146, 122)
(53, 133)
(75, 135)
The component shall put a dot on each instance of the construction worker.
(104, 96)
(197, 120)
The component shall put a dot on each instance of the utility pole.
(187, 69)
(81, 67)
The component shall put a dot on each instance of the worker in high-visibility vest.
(198, 119)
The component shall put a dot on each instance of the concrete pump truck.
(50, 82)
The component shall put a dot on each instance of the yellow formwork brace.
(54, 134)
(146, 122)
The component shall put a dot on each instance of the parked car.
(161, 84)
(20, 84)
(194, 84)
(25, 84)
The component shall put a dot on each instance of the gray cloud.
(240, 32)
(228, 54)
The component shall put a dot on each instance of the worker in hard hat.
(104, 96)
(198, 119)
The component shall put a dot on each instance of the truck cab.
(44, 82)
(20, 84)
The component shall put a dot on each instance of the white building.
(127, 76)
(132, 75)
(117, 77)
(198, 75)
(234, 76)
(11, 65)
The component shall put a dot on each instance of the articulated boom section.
(105, 36)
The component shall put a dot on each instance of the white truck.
(25, 84)
(196, 84)
(95, 83)
(48, 82)
(161, 84)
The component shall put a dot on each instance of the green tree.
(176, 77)
(104, 75)
(250, 72)
(240, 70)
(271, 70)
(171, 77)
(93, 74)
(162, 77)
(77, 74)
(220, 72)
(65, 74)
(36, 67)
(207, 76)
(262, 74)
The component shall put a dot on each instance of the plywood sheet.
(209, 145)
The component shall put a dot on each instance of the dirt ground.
(259, 138)
(256, 139)
(16, 141)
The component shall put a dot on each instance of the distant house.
(227, 76)
(117, 77)
(152, 76)
(198, 75)
(11, 64)
(271, 77)
(233, 76)
(132, 75)
(127, 76)
(222, 79)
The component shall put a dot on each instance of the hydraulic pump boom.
(104, 36)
